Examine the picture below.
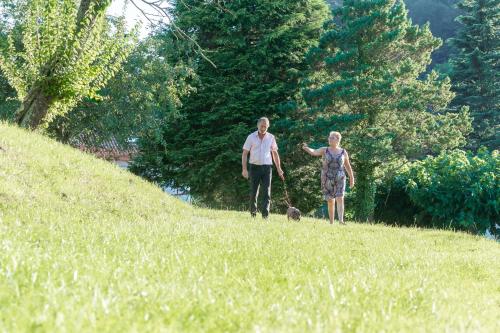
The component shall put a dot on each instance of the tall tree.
(476, 68)
(367, 84)
(441, 16)
(142, 95)
(62, 53)
(256, 50)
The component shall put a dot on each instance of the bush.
(455, 190)
(394, 206)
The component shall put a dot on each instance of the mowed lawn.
(85, 246)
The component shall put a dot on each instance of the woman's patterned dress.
(333, 174)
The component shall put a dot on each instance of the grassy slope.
(85, 246)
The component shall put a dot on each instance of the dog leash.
(287, 198)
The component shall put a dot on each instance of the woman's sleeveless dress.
(333, 175)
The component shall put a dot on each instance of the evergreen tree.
(256, 52)
(476, 67)
(367, 84)
(440, 14)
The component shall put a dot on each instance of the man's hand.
(244, 173)
(281, 174)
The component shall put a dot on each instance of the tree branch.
(162, 9)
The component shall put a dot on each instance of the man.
(263, 150)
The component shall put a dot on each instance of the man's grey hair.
(263, 119)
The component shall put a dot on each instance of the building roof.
(109, 149)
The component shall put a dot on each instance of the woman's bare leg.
(331, 210)
(340, 209)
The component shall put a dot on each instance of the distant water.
(489, 235)
(183, 195)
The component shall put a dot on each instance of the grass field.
(85, 246)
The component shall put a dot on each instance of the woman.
(335, 162)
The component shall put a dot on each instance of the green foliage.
(456, 190)
(8, 102)
(143, 95)
(476, 68)
(87, 247)
(366, 83)
(440, 14)
(258, 49)
(52, 54)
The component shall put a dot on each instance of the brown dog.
(293, 213)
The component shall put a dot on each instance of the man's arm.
(277, 162)
(244, 158)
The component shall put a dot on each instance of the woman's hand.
(351, 182)
(305, 146)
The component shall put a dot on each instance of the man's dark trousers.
(260, 176)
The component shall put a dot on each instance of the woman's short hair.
(337, 134)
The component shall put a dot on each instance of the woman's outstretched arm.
(313, 152)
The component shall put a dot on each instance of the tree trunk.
(364, 201)
(34, 108)
(36, 104)
(99, 8)
(82, 10)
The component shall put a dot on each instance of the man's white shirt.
(260, 150)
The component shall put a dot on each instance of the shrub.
(453, 190)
